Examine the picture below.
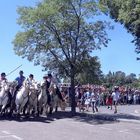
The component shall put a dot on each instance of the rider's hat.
(49, 75)
(3, 74)
(31, 75)
(45, 76)
(21, 71)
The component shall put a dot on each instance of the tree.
(131, 78)
(90, 72)
(119, 78)
(60, 34)
(126, 12)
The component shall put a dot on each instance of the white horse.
(42, 99)
(4, 98)
(33, 95)
(22, 96)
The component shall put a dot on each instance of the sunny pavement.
(103, 125)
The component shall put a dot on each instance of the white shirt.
(115, 96)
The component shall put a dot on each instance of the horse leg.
(17, 109)
(40, 108)
(25, 105)
(13, 107)
(4, 105)
(50, 109)
(35, 107)
(28, 109)
(56, 108)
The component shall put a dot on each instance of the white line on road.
(129, 120)
(5, 136)
(136, 128)
(124, 131)
(16, 137)
(13, 136)
(8, 134)
(106, 128)
(136, 111)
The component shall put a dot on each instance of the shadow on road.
(93, 119)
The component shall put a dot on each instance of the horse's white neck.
(24, 89)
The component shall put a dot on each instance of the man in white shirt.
(116, 96)
(94, 100)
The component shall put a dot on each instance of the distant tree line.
(91, 73)
(119, 78)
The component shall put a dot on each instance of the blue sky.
(119, 55)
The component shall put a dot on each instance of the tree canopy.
(119, 78)
(126, 12)
(91, 72)
(60, 34)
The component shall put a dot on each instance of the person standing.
(94, 100)
(116, 96)
(87, 97)
(109, 100)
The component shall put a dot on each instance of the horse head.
(26, 84)
(4, 86)
(52, 89)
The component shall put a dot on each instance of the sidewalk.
(125, 114)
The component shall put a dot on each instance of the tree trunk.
(72, 94)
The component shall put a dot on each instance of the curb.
(129, 120)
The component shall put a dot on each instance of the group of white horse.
(30, 98)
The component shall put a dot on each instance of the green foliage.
(90, 72)
(127, 12)
(119, 78)
(60, 33)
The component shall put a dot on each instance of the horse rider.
(52, 80)
(20, 79)
(3, 79)
(31, 79)
(47, 81)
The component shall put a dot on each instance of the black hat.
(21, 71)
(31, 75)
(49, 75)
(3, 74)
(45, 76)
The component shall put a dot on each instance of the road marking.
(13, 136)
(8, 134)
(106, 128)
(16, 137)
(136, 128)
(135, 114)
(129, 120)
(136, 111)
(5, 136)
(125, 131)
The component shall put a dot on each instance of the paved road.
(61, 126)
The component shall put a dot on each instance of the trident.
(13, 70)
